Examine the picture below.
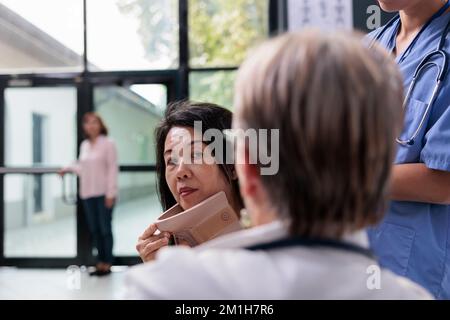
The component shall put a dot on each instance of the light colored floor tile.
(59, 284)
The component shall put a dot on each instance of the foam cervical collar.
(206, 220)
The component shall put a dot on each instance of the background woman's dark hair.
(103, 128)
(184, 114)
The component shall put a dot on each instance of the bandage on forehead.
(206, 220)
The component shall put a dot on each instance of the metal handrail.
(24, 170)
(42, 170)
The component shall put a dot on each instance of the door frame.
(84, 84)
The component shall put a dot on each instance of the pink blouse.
(97, 168)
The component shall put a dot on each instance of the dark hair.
(103, 128)
(184, 114)
(338, 107)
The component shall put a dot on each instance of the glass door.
(42, 222)
(40, 136)
(131, 112)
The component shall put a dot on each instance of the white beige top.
(97, 168)
(221, 269)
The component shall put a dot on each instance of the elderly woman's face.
(189, 180)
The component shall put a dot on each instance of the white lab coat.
(221, 269)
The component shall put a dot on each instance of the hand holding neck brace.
(206, 220)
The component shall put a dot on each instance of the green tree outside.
(221, 32)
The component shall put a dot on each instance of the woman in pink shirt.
(97, 169)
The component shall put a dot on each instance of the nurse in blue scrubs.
(414, 240)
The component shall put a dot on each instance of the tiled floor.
(60, 284)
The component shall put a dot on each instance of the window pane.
(222, 31)
(131, 116)
(132, 34)
(39, 36)
(138, 206)
(40, 126)
(37, 221)
(215, 87)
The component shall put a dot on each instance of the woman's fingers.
(149, 231)
(151, 248)
(143, 243)
(155, 245)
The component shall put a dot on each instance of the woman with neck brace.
(182, 181)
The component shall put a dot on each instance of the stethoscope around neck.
(300, 241)
(426, 63)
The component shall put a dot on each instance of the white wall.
(58, 105)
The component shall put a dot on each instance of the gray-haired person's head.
(338, 107)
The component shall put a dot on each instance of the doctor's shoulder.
(380, 32)
(157, 279)
(373, 34)
(396, 287)
(184, 273)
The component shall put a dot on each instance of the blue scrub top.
(413, 240)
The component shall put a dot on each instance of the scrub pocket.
(393, 244)
(413, 116)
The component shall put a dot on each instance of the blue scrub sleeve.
(436, 151)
